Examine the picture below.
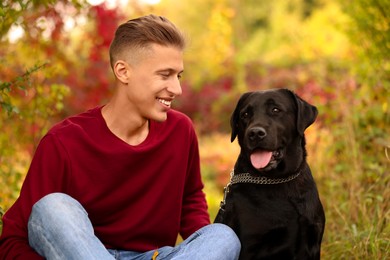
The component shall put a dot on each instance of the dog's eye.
(275, 110)
(245, 115)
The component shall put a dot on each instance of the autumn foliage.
(333, 53)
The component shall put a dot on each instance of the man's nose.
(175, 87)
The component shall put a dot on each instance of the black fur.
(274, 221)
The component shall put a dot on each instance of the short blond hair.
(136, 35)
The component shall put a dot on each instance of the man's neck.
(131, 129)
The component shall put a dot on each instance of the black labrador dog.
(272, 202)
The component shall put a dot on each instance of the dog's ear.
(236, 116)
(306, 113)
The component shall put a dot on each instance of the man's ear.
(122, 71)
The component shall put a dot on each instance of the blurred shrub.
(29, 98)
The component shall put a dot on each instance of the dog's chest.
(264, 208)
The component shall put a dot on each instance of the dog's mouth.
(264, 160)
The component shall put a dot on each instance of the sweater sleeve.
(44, 176)
(194, 211)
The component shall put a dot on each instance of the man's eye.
(179, 76)
(164, 76)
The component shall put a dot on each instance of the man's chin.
(161, 117)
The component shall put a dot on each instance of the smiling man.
(121, 180)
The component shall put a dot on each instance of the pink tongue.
(260, 158)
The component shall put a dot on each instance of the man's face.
(154, 82)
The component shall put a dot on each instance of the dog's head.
(270, 125)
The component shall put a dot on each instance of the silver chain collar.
(248, 178)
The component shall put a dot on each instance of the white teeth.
(165, 102)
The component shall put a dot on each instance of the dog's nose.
(257, 133)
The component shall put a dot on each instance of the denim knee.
(231, 240)
(54, 203)
(53, 208)
(55, 199)
(59, 228)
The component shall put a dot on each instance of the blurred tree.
(28, 95)
(369, 115)
(210, 37)
(91, 78)
(37, 21)
(370, 30)
(236, 47)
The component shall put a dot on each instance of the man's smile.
(165, 102)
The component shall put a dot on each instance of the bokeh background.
(333, 53)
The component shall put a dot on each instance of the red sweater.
(138, 197)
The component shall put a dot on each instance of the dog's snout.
(257, 133)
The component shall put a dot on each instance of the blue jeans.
(59, 228)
